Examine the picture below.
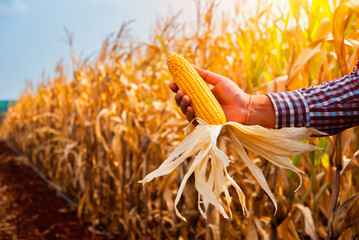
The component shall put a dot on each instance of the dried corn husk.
(276, 145)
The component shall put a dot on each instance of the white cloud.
(13, 7)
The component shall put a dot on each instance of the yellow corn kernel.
(204, 104)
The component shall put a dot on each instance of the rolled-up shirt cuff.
(291, 109)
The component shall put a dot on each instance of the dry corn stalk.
(206, 142)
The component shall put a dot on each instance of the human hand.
(233, 100)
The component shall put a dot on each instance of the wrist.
(260, 111)
(248, 109)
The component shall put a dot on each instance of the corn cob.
(204, 104)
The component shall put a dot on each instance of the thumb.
(210, 77)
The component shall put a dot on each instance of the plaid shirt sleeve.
(330, 107)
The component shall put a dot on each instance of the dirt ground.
(29, 209)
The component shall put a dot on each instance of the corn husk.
(205, 143)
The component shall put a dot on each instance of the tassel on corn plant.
(206, 143)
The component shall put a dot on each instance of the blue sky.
(33, 39)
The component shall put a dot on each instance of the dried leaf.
(341, 15)
(309, 223)
(346, 215)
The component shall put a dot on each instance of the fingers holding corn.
(183, 101)
(231, 98)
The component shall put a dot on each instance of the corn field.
(99, 130)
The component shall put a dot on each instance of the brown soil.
(29, 209)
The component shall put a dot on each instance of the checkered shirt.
(330, 107)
